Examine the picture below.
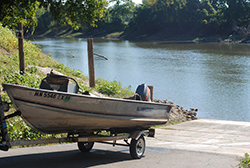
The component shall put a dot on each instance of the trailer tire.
(85, 146)
(137, 147)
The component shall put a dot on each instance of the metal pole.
(91, 63)
(20, 47)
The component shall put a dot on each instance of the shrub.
(112, 88)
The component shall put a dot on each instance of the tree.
(121, 10)
(237, 11)
(14, 11)
(206, 4)
(191, 11)
(71, 12)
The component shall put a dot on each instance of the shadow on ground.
(72, 158)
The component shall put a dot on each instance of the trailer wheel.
(85, 146)
(137, 147)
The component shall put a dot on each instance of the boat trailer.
(85, 142)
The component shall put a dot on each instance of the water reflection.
(213, 77)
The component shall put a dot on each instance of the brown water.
(212, 77)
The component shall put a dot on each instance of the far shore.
(155, 37)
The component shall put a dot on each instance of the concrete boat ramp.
(213, 136)
(193, 144)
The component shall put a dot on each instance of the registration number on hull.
(65, 98)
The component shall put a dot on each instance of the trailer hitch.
(4, 147)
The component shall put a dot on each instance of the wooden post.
(91, 63)
(151, 87)
(20, 47)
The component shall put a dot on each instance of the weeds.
(7, 38)
(245, 162)
(83, 88)
(112, 88)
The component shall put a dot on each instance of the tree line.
(201, 17)
(173, 17)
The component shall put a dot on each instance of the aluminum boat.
(51, 111)
(57, 108)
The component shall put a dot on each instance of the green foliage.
(74, 12)
(84, 88)
(121, 10)
(69, 72)
(245, 162)
(106, 87)
(114, 19)
(18, 130)
(15, 11)
(200, 17)
(77, 73)
(112, 88)
(7, 38)
(68, 12)
(32, 69)
(26, 79)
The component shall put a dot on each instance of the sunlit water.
(212, 77)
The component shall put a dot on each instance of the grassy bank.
(34, 59)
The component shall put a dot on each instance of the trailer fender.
(137, 134)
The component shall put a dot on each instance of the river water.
(213, 77)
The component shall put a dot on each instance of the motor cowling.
(144, 91)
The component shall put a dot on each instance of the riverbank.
(179, 114)
(136, 36)
(159, 36)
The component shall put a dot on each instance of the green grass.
(34, 58)
(113, 89)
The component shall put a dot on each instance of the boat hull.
(60, 112)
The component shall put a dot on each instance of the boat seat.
(70, 88)
(53, 86)
(59, 83)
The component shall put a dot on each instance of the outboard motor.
(144, 91)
